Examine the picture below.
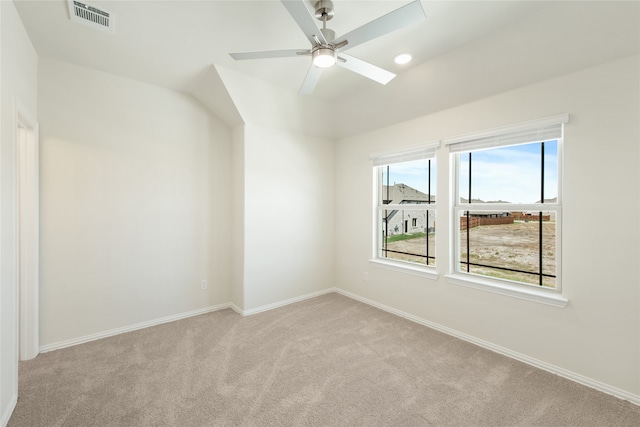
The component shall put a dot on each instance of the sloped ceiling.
(465, 50)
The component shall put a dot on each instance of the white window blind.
(545, 129)
(423, 151)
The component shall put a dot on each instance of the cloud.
(510, 173)
(413, 174)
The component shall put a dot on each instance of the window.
(507, 204)
(405, 208)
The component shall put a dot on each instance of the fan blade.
(305, 20)
(399, 18)
(365, 69)
(238, 56)
(313, 75)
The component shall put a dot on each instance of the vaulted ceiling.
(463, 51)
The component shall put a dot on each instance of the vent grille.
(92, 16)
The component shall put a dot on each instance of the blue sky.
(510, 174)
(414, 174)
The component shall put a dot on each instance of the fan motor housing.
(324, 10)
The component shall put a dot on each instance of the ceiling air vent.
(92, 16)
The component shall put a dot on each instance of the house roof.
(400, 193)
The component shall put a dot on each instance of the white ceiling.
(173, 44)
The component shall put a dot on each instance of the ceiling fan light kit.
(324, 57)
(325, 47)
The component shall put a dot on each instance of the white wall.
(597, 336)
(19, 67)
(263, 104)
(289, 208)
(135, 203)
(237, 161)
(284, 172)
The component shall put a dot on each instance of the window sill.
(530, 294)
(416, 270)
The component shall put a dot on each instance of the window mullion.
(468, 225)
(540, 214)
(386, 218)
(427, 213)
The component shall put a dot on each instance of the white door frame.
(27, 186)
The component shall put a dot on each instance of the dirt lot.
(413, 246)
(512, 246)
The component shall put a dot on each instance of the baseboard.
(282, 303)
(130, 328)
(581, 379)
(600, 386)
(235, 308)
(6, 414)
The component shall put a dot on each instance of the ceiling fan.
(327, 50)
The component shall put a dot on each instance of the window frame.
(422, 151)
(483, 140)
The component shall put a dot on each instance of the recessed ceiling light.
(403, 58)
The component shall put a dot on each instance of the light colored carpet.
(327, 361)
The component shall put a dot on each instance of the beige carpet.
(328, 361)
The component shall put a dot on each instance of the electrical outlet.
(203, 284)
(365, 276)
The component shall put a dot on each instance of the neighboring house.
(408, 221)
(513, 215)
